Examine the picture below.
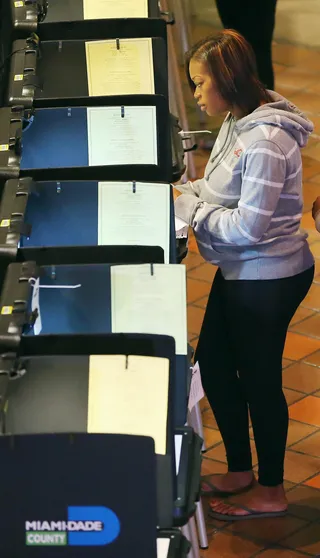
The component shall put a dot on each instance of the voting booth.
(35, 14)
(95, 384)
(104, 298)
(88, 213)
(41, 71)
(95, 364)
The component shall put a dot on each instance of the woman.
(245, 214)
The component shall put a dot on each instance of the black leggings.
(255, 20)
(240, 355)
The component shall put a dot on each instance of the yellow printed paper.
(129, 395)
(110, 9)
(127, 70)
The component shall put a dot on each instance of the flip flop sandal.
(214, 490)
(252, 514)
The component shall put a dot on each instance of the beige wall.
(298, 21)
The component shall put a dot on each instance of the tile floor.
(297, 77)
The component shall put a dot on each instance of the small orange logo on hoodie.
(237, 152)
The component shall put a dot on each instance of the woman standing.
(245, 214)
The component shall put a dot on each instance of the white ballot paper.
(163, 546)
(107, 9)
(130, 139)
(134, 214)
(35, 306)
(127, 70)
(150, 299)
(178, 447)
(181, 228)
(196, 389)
(129, 395)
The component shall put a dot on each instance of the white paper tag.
(196, 389)
(181, 228)
(35, 305)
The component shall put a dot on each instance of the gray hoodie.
(246, 211)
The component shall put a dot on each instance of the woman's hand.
(316, 207)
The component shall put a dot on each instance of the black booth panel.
(69, 478)
(64, 10)
(51, 397)
(72, 10)
(62, 70)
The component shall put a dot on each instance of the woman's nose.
(196, 94)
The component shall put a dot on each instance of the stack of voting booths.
(94, 359)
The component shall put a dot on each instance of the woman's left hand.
(316, 207)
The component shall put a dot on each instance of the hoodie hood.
(280, 113)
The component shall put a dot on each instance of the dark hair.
(232, 64)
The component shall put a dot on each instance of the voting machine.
(105, 298)
(89, 376)
(95, 138)
(87, 213)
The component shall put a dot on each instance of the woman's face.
(206, 93)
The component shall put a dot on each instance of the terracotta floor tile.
(314, 482)
(307, 410)
(310, 445)
(298, 468)
(306, 540)
(313, 236)
(315, 249)
(196, 290)
(289, 55)
(302, 377)
(313, 359)
(269, 531)
(310, 192)
(299, 346)
(283, 553)
(304, 502)
(308, 102)
(307, 221)
(205, 272)
(195, 318)
(296, 79)
(286, 362)
(312, 143)
(316, 269)
(204, 404)
(311, 326)
(278, 68)
(211, 436)
(316, 178)
(194, 343)
(210, 467)
(292, 396)
(209, 420)
(192, 244)
(311, 168)
(219, 454)
(226, 545)
(298, 431)
(312, 299)
(301, 314)
(202, 303)
(193, 260)
(314, 88)
(311, 63)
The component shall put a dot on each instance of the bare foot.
(260, 499)
(229, 483)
